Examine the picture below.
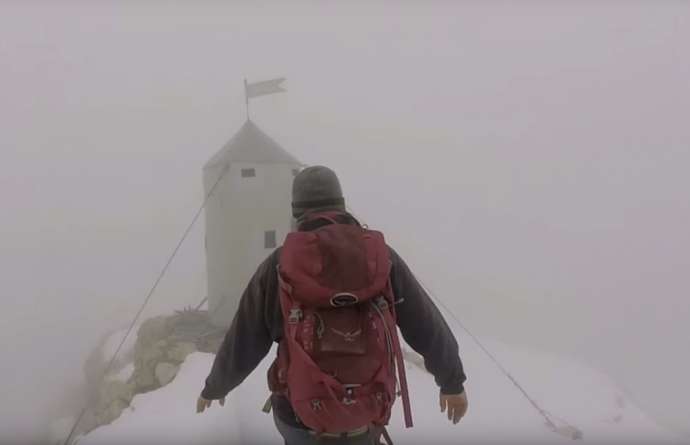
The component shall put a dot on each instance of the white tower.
(247, 215)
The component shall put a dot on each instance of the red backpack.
(338, 357)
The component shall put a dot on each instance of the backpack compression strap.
(400, 364)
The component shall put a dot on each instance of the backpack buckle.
(316, 405)
(382, 303)
(349, 393)
(295, 315)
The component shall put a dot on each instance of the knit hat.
(315, 189)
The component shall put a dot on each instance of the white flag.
(263, 88)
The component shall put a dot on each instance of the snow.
(498, 413)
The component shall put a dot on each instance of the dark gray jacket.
(259, 322)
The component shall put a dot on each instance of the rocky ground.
(162, 344)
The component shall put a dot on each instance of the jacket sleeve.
(425, 330)
(249, 338)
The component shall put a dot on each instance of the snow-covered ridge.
(498, 413)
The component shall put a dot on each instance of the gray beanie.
(316, 188)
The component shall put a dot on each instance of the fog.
(528, 159)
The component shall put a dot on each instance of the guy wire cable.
(150, 293)
(491, 356)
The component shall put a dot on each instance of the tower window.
(270, 239)
(248, 172)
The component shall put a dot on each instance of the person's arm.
(249, 339)
(425, 330)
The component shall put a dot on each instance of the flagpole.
(246, 98)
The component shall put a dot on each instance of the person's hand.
(202, 404)
(455, 404)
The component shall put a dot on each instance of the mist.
(529, 161)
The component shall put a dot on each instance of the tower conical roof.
(251, 144)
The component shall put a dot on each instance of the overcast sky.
(528, 159)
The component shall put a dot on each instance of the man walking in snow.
(331, 297)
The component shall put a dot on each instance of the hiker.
(331, 297)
